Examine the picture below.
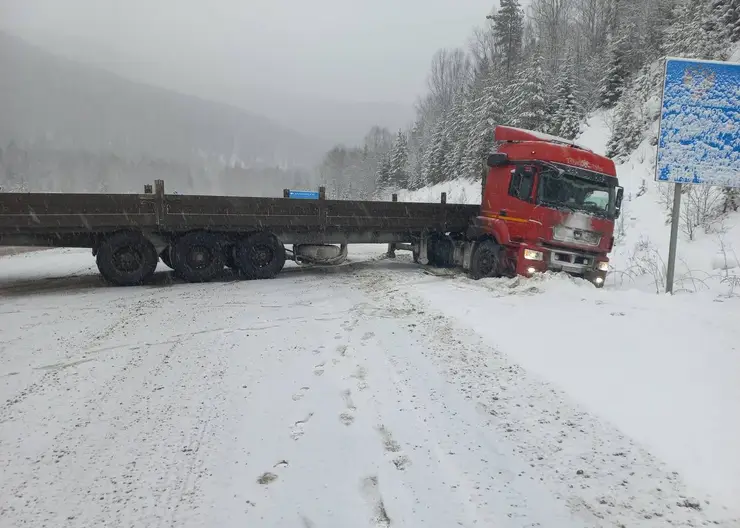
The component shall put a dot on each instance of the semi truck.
(546, 204)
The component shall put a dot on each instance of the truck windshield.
(578, 194)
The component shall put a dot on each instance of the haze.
(328, 67)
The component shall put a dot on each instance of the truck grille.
(575, 236)
(561, 259)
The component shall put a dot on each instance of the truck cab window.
(521, 184)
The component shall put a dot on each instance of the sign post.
(699, 133)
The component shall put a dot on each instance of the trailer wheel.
(260, 255)
(165, 257)
(126, 258)
(486, 260)
(198, 256)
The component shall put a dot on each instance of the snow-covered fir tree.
(399, 160)
(616, 75)
(565, 119)
(508, 25)
(530, 103)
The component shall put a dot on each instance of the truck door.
(517, 206)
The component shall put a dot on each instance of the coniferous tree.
(728, 12)
(565, 119)
(531, 102)
(508, 25)
(435, 156)
(616, 76)
(383, 174)
(399, 160)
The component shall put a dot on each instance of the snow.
(541, 136)
(376, 393)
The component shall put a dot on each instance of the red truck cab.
(550, 204)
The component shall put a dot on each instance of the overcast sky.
(353, 50)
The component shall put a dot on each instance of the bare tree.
(552, 20)
(451, 72)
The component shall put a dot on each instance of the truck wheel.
(260, 256)
(486, 260)
(165, 257)
(126, 258)
(198, 256)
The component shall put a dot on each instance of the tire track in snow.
(141, 404)
(603, 476)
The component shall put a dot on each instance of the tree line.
(40, 167)
(544, 69)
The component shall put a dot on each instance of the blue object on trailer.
(303, 195)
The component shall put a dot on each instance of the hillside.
(67, 105)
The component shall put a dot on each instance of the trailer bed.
(78, 220)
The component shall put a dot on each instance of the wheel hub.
(199, 257)
(261, 256)
(127, 260)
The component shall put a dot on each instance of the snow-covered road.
(369, 395)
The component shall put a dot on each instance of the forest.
(543, 69)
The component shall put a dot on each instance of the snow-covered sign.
(699, 138)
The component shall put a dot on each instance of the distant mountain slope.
(70, 105)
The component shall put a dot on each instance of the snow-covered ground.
(374, 394)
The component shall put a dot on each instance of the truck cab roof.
(522, 145)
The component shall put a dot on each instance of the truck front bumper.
(538, 259)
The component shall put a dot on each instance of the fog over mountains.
(70, 126)
(73, 106)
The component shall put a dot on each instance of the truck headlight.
(531, 254)
(602, 266)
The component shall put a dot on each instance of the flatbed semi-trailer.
(546, 204)
(197, 235)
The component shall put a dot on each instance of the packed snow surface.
(374, 394)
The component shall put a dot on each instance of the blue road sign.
(303, 195)
(699, 137)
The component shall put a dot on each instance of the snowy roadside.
(374, 394)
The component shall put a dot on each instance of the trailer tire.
(486, 260)
(198, 256)
(260, 255)
(126, 258)
(165, 257)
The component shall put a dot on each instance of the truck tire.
(486, 260)
(198, 256)
(165, 257)
(260, 256)
(126, 258)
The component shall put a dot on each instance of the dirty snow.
(373, 394)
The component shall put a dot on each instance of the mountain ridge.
(45, 97)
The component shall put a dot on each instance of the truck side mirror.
(618, 205)
(497, 159)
